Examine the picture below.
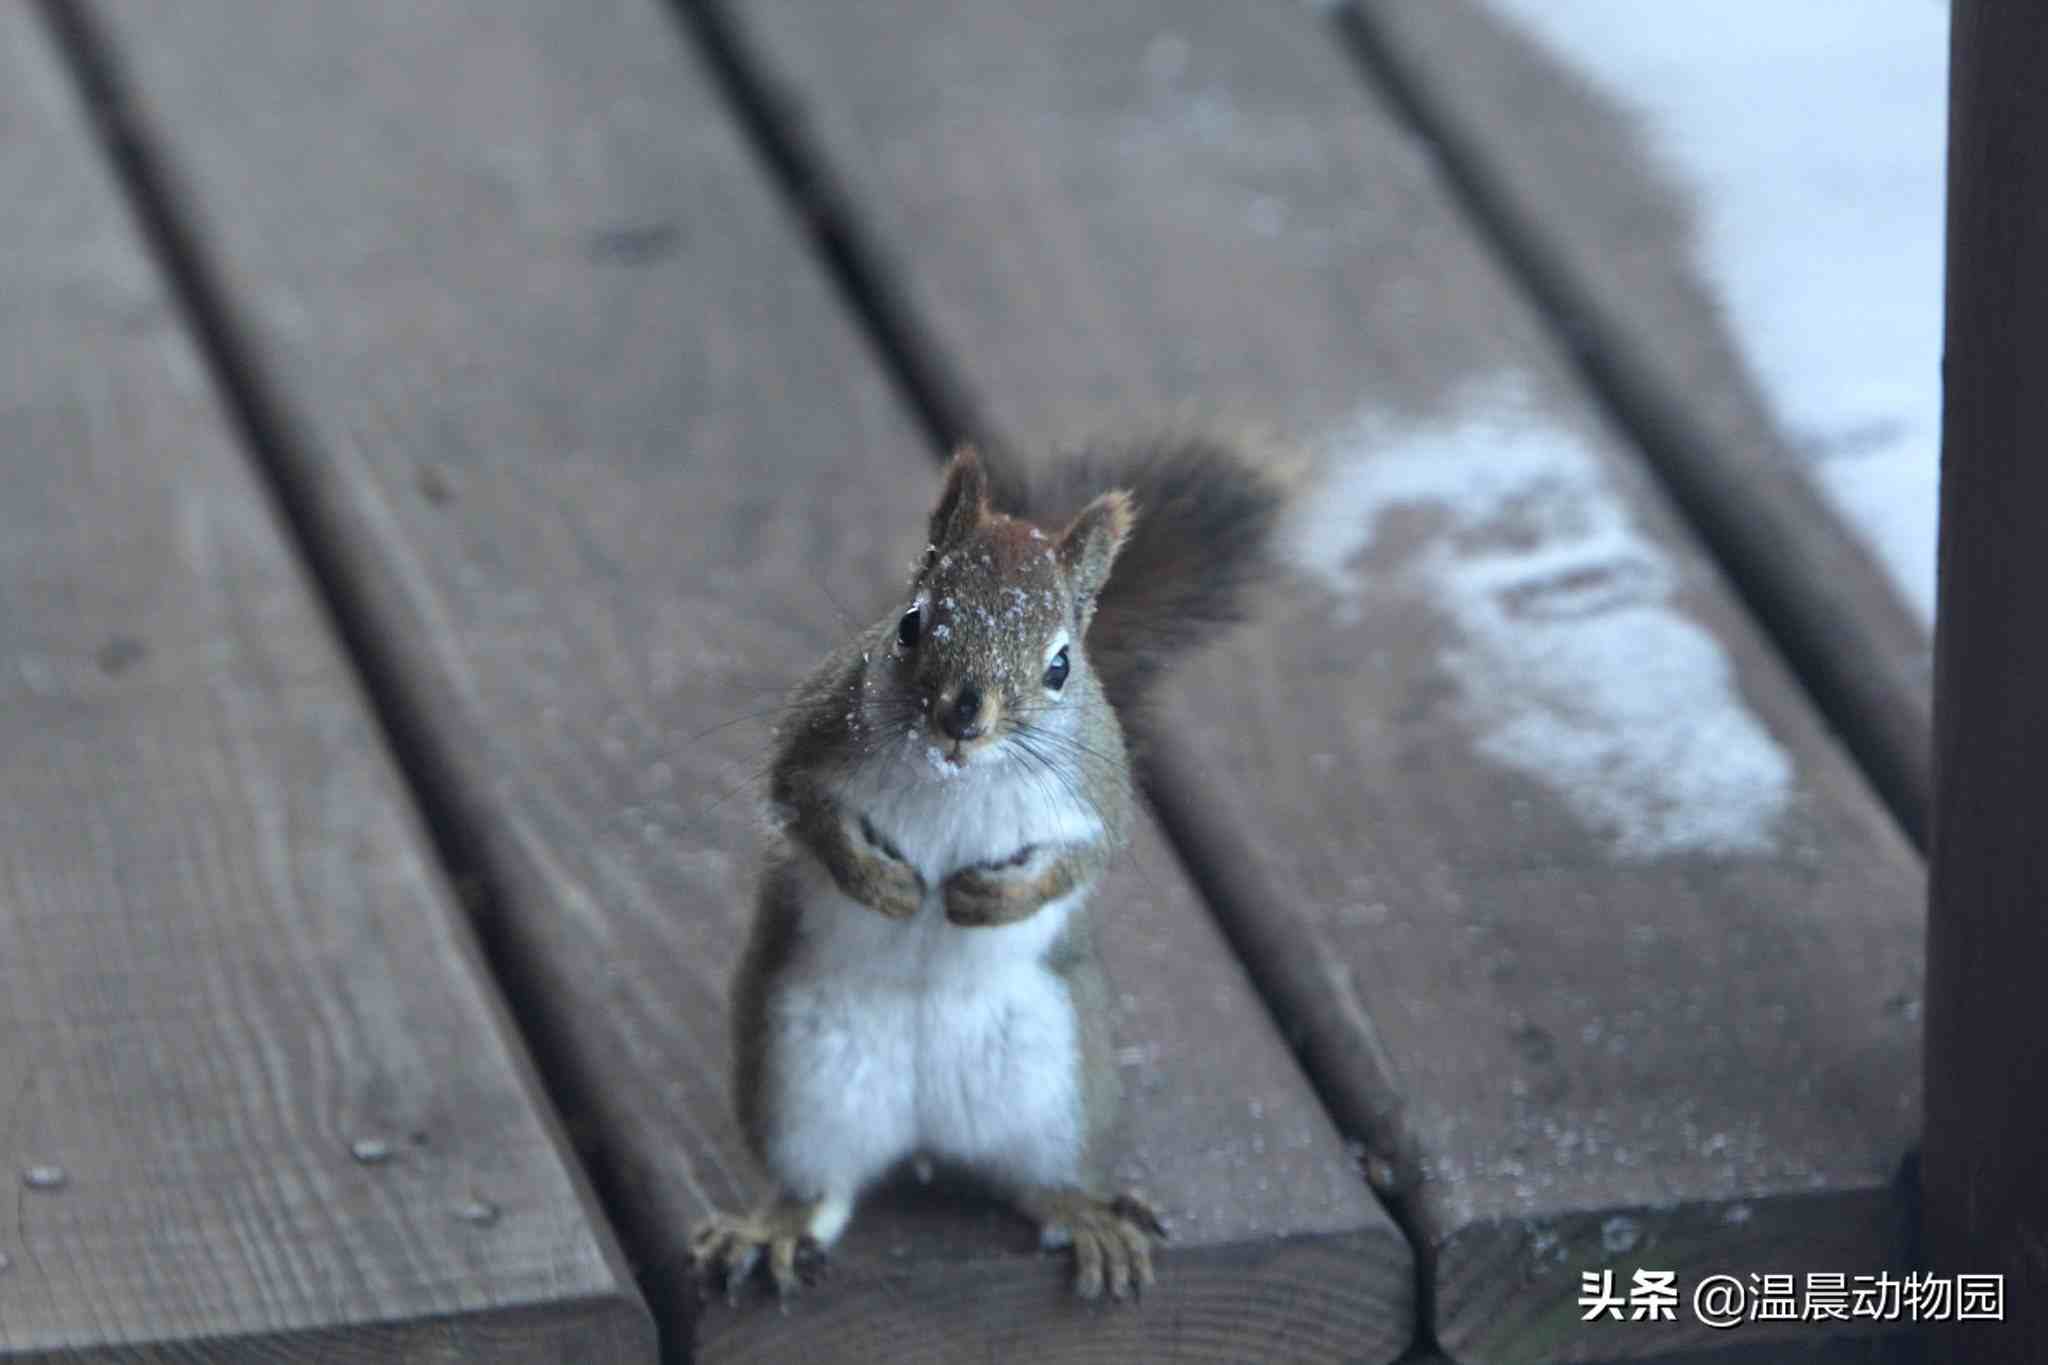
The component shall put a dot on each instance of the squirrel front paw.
(882, 880)
(980, 897)
(894, 889)
(1112, 1238)
(725, 1248)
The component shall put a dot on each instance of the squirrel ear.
(964, 502)
(1091, 540)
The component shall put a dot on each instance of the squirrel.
(920, 980)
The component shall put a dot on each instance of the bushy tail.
(1201, 542)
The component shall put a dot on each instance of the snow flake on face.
(999, 599)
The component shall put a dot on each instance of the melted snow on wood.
(1575, 666)
(1813, 137)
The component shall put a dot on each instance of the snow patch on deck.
(1813, 136)
(1575, 666)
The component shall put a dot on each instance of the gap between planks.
(933, 391)
(261, 421)
(254, 921)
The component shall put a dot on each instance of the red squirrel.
(921, 979)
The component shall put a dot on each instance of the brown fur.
(1202, 520)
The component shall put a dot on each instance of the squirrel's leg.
(989, 894)
(822, 1081)
(1112, 1233)
(1036, 1070)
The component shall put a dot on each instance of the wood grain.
(1897, 1349)
(1568, 1050)
(1986, 1207)
(1609, 244)
(609, 468)
(228, 960)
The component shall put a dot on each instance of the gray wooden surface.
(1602, 237)
(1898, 1349)
(257, 1098)
(1584, 920)
(604, 460)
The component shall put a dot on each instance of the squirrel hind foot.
(1112, 1239)
(726, 1249)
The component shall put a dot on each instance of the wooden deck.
(437, 429)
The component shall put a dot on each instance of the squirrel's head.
(990, 640)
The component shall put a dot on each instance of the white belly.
(899, 1036)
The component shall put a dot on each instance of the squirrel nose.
(962, 720)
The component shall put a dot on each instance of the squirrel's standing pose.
(921, 979)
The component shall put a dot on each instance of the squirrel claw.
(726, 1249)
(1132, 1209)
(795, 1261)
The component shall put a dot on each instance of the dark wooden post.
(1986, 1156)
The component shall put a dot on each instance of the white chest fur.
(980, 814)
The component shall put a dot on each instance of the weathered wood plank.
(1816, 248)
(1606, 240)
(1986, 1206)
(605, 460)
(1896, 1349)
(1585, 922)
(257, 1100)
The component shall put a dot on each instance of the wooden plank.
(1986, 1205)
(1607, 243)
(257, 1099)
(1817, 251)
(603, 503)
(1587, 926)
(1896, 1349)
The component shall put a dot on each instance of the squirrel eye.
(907, 628)
(1056, 671)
